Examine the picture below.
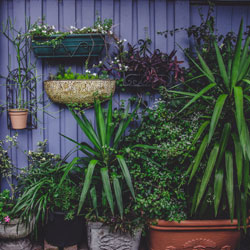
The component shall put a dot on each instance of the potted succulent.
(68, 87)
(77, 42)
(107, 183)
(13, 234)
(54, 207)
(19, 81)
(219, 172)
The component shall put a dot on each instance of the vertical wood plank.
(170, 25)
(181, 21)
(21, 160)
(160, 24)
(51, 120)
(37, 134)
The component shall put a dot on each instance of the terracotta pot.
(18, 118)
(194, 235)
(79, 91)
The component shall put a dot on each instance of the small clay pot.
(194, 234)
(18, 118)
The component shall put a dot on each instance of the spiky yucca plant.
(225, 135)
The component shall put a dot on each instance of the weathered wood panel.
(133, 19)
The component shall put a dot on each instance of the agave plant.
(103, 156)
(224, 135)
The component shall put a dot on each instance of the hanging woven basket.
(79, 91)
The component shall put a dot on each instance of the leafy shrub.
(159, 175)
(63, 74)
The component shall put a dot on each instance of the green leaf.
(109, 123)
(238, 97)
(87, 131)
(126, 173)
(216, 115)
(208, 172)
(123, 126)
(87, 183)
(194, 200)
(118, 195)
(101, 128)
(188, 94)
(222, 67)
(198, 157)
(244, 57)
(107, 188)
(223, 143)
(218, 184)
(237, 57)
(94, 199)
(238, 158)
(196, 138)
(206, 69)
(198, 95)
(244, 70)
(230, 182)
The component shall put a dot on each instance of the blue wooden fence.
(133, 19)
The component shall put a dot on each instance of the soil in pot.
(63, 233)
(197, 234)
(18, 118)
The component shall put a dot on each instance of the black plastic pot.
(64, 233)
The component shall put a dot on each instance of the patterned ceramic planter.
(100, 237)
(194, 235)
(75, 45)
(79, 91)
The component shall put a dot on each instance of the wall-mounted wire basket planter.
(75, 45)
(29, 96)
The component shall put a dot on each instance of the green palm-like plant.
(225, 135)
(102, 155)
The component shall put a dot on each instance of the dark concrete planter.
(62, 233)
(100, 237)
(194, 234)
(75, 45)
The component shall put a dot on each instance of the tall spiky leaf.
(107, 188)
(86, 184)
(208, 172)
(218, 185)
(238, 158)
(216, 115)
(126, 173)
(230, 182)
(222, 67)
(198, 157)
(118, 195)
(101, 128)
(109, 123)
(198, 95)
(237, 56)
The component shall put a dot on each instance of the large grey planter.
(100, 238)
(13, 235)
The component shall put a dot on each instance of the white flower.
(124, 40)
(71, 32)
(94, 74)
(110, 32)
(100, 62)
(53, 27)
